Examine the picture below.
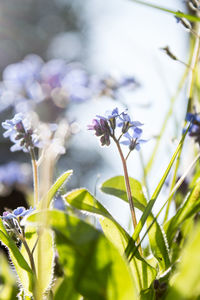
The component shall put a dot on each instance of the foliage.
(82, 251)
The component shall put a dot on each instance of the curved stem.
(128, 188)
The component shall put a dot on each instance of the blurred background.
(117, 37)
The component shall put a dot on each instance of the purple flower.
(20, 133)
(102, 129)
(110, 86)
(133, 140)
(194, 130)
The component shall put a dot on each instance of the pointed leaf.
(45, 202)
(176, 13)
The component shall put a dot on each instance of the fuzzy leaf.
(45, 202)
(95, 267)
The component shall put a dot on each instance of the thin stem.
(23, 239)
(128, 188)
(35, 177)
(127, 156)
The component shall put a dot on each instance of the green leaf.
(45, 202)
(189, 208)
(22, 268)
(192, 18)
(8, 287)
(116, 187)
(95, 267)
(84, 201)
(154, 197)
(185, 284)
(43, 256)
(66, 291)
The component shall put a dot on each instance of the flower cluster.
(17, 213)
(20, 133)
(194, 130)
(105, 127)
(31, 81)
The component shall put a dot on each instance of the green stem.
(128, 187)
(29, 254)
(35, 177)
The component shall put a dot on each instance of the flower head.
(102, 129)
(17, 213)
(126, 123)
(20, 133)
(133, 140)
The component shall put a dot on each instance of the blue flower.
(133, 141)
(126, 123)
(17, 213)
(20, 133)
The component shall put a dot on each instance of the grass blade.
(151, 203)
(167, 10)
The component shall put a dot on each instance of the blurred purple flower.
(110, 86)
(13, 173)
(76, 84)
(20, 133)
